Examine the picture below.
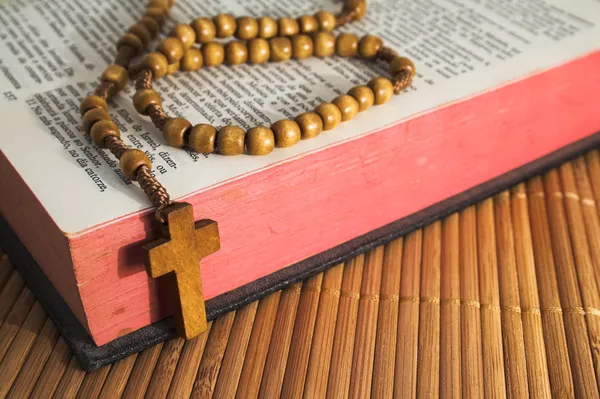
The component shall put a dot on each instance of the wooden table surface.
(501, 298)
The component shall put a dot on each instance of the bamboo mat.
(500, 299)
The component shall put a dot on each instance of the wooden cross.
(180, 253)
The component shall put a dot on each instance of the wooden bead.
(308, 24)
(225, 24)
(151, 25)
(186, 35)
(175, 131)
(260, 141)
(230, 140)
(346, 45)
(192, 60)
(359, 7)
(236, 53)
(92, 116)
(205, 30)
(92, 101)
(400, 64)
(131, 40)
(324, 44)
(157, 13)
(202, 138)
(116, 74)
(330, 114)
(132, 160)
(302, 46)
(157, 63)
(288, 26)
(287, 133)
(213, 53)
(267, 27)
(247, 28)
(348, 106)
(311, 124)
(382, 88)
(364, 96)
(281, 49)
(143, 98)
(103, 129)
(172, 48)
(160, 3)
(326, 20)
(259, 51)
(369, 45)
(172, 68)
(141, 31)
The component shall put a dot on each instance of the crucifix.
(186, 243)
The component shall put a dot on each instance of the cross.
(187, 242)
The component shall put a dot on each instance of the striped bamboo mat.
(499, 299)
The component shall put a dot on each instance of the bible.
(502, 92)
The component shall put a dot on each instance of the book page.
(53, 52)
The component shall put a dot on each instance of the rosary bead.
(103, 129)
(346, 45)
(131, 40)
(143, 98)
(326, 20)
(157, 63)
(369, 45)
(287, 133)
(172, 68)
(202, 138)
(160, 3)
(175, 131)
(308, 24)
(288, 26)
(172, 48)
(236, 53)
(225, 24)
(92, 116)
(400, 64)
(141, 31)
(267, 27)
(359, 7)
(230, 140)
(116, 74)
(281, 49)
(382, 88)
(186, 35)
(132, 160)
(330, 114)
(302, 46)
(258, 51)
(324, 44)
(157, 13)
(92, 101)
(348, 106)
(151, 24)
(192, 60)
(311, 124)
(260, 141)
(213, 53)
(247, 28)
(364, 96)
(205, 30)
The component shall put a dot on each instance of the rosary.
(186, 242)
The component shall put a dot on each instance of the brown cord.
(104, 90)
(402, 80)
(345, 17)
(116, 146)
(154, 190)
(158, 116)
(144, 79)
(386, 54)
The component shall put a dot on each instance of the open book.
(499, 86)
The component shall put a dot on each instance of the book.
(502, 91)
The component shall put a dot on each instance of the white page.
(52, 53)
